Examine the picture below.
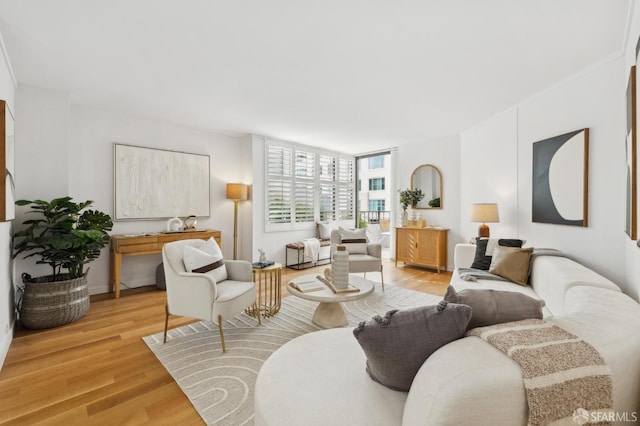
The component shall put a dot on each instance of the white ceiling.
(351, 75)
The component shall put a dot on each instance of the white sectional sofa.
(320, 379)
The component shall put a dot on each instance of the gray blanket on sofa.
(471, 274)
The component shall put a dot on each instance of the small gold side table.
(268, 291)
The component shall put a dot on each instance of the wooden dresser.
(422, 246)
(135, 245)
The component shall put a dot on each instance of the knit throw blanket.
(563, 374)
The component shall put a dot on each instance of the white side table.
(329, 313)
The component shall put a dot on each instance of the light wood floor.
(98, 371)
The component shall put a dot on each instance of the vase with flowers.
(409, 198)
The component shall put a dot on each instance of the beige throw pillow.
(511, 263)
(324, 230)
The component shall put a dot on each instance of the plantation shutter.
(279, 184)
(304, 194)
(304, 184)
(327, 188)
(345, 188)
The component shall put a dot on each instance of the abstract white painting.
(156, 184)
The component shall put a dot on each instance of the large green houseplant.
(66, 236)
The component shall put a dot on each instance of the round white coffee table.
(329, 313)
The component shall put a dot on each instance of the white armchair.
(371, 261)
(198, 295)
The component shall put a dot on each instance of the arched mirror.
(428, 178)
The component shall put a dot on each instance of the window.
(376, 205)
(376, 162)
(376, 184)
(305, 184)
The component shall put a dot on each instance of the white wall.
(7, 317)
(496, 163)
(72, 149)
(443, 153)
(488, 171)
(595, 100)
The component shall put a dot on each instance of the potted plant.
(405, 199)
(409, 197)
(64, 236)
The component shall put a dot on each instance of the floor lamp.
(236, 192)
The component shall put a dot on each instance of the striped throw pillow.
(355, 240)
(207, 259)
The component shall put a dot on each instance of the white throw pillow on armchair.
(207, 259)
(355, 240)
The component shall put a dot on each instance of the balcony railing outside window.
(371, 216)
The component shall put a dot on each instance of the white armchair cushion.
(355, 240)
(207, 259)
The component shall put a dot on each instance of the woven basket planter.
(48, 304)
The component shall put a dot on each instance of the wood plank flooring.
(98, 371)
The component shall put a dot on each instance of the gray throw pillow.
(397, 344)
(496, 307)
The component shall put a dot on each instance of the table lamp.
(484, 213)
(236, 192)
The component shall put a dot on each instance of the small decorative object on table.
(262, 264)
(174, 224)
(307, 286)
(416, 223)
(189, 223)
(340, 270)
(263, 256)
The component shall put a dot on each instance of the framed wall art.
(631, 145)
(152, 183)
(7, 162)
(634, 124)
(561, 179)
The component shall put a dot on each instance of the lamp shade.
(485, 212)
(237, 191)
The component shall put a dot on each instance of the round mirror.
(428, 178)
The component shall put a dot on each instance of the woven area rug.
(220, 386)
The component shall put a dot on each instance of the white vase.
(412, 214)
(340, 268)
(403, 218)
(174, 224)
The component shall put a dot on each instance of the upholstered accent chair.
(363, 256)
(199, 295)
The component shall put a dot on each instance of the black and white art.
(560, 179)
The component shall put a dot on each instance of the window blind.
(305, 184)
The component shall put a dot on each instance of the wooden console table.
(136, 245)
